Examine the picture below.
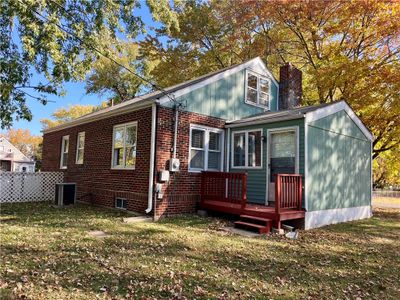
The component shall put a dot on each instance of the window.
(205, 148)
(124, 146)
(247, 149)
(80, 147)
(1, 148)
(257, 89)
(64, 152)
(121, 203)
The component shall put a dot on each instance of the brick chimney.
(290, 87)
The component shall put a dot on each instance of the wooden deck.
(227, 193)
(255, 210)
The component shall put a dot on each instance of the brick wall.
(96, 181)
(182, 192)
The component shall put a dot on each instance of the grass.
(386, 200)
(46, 253)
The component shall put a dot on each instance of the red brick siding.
(182, 192)
(95, 180)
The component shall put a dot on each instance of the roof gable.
(334, 108)
(255, 64)
(18, 155)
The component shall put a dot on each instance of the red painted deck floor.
(255, 210)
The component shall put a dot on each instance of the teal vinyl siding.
(224, 99)
(339, 164)
(257, 178)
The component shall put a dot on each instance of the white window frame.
(267, 107)
(64, 138)
(82, 133)
(246, 149)
(206, 150)
(122, 200)
(124, 125)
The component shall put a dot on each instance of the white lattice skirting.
(26, 187)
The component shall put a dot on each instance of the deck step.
(260, 228)
(255, 218)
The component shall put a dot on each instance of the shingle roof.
(144, 99)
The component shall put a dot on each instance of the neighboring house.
(239, 122)
(13, 160)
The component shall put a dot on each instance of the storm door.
(282, 156)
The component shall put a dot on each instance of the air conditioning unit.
(65, 194)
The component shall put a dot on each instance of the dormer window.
(257, 90)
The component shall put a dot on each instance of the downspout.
(176, 129)
(152, 157)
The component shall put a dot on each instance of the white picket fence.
(26, 187)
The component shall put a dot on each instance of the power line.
(165, 93)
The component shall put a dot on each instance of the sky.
(75, 92)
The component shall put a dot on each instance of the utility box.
(163, 175)
(65, 194)
(174, 164)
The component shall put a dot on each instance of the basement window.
(257, 90)
(121, 203)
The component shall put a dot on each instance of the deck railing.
(224, 186)
(288, 191)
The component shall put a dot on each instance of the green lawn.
(46, 253)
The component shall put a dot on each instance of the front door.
(282, 156)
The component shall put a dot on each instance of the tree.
(108, 78)
(24, 141)
(63, 115)
(387, 169)
(60, 40)
(347, 50)
(198, 45)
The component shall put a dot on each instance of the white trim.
(371, 173)
(77, 147)
(264, 120)
(123, 125)
(306, 183)
(334, 108)
(228, 141)
(259, 76)
(63, 139)
(297, 164)
(246, 149)
(319, 218)
(256, 64)
(119, 109)
(206, 150)
(152, 160)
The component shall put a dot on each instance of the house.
(13, 160)
(235, 141)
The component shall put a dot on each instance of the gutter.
(152, 158)
(99, 115)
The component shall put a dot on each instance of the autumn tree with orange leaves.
(347, 50)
